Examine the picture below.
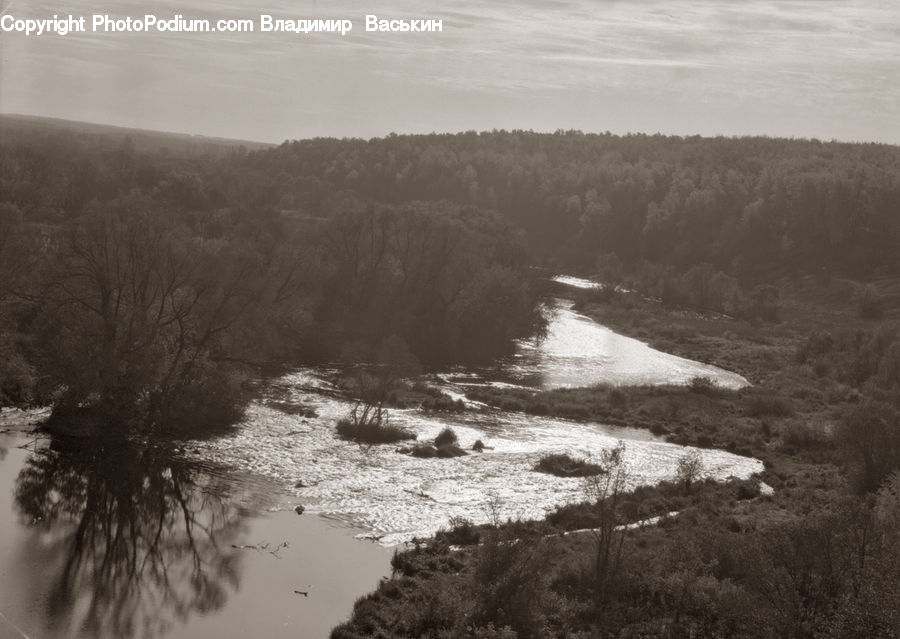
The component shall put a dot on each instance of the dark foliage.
(371, 433)
(869, 435)
(746, 207)
(444, 403)
(563, 465)
(446, 437)
(144, 283)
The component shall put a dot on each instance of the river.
(188, 543)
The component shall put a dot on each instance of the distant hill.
(14, 126)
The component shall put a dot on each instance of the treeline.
(752, 208)
(740, 212)
(131, 284)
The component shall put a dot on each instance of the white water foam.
(395, 497)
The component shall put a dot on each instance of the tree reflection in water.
(141, 539)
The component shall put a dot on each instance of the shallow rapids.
(396, 497)
(578, 351)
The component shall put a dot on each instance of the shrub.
(817, 344)
(372, 433)
(511, 404)
(429, 451)
(689, 470)
(802, 435)
(17, 380)
(618, 398)
(869, 437)
(871, 306)
(444, 403)
(450, 450)
(462, 532)
(768, 405)
(701, 385)
(704, 441)
(658, 429)
(510, 583)
(424, 451)
(445, 437)
(747, 489)
(538, 408)
(562, 465)
(425, 389)
(573, 410)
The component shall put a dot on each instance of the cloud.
(800, 67)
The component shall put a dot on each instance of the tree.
(140, 316)
(689, 469)
(375, 373)
(869, 436)
(605, 490)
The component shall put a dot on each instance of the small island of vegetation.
(562, 465)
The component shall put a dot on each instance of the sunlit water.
(580, 352)
(395, 497)
(576, 282)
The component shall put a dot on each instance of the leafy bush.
(618, 398)
(768, 405)
(372, 433)
(869, 437)
(428, 451)
(462, 532)
(423, 451)
(689, 469)
(802, 435)
(446, 437)
(871, 306)
(450, 450)
(702, 385)
(444, 403)
(562, 465)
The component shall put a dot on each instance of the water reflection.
(131, 539)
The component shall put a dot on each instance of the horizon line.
(556, 131)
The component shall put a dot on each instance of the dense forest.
(750, 207)
(160, 266)
(136, 283)
(704, 222)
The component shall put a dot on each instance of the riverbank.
(791, 407)
(734, 561)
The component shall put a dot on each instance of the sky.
(799, 68)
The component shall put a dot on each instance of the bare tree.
(140, 311)
(375, 375)
(606, 491)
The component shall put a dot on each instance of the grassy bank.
(819, 557)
